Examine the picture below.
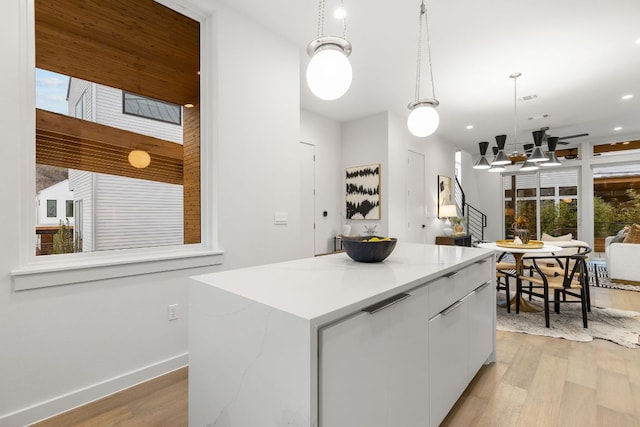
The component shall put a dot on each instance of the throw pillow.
(624, 231)
(617, 239)
(549, 238)
(633, 236)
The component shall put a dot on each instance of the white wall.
(256, 176)
(364, 142)
(325, 135)
(63, 345)
(487, 196)
(384, 138)
(440, 160)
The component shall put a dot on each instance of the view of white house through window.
(99, 211)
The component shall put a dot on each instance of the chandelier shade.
(538, 155)
(552, 143)
(528, 165)
(495, 167)
(482, 162)
(501, 158)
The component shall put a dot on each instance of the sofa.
(622, 253)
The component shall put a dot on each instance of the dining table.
(518, 251)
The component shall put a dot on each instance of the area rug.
(618, 326)
(599, 277)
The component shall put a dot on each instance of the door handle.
(385, 303)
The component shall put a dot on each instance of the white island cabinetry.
(330, 342)
(373, 365)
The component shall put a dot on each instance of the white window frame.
(55, 270)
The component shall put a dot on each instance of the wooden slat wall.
(191, 143)
(77, 144)
(138, 46)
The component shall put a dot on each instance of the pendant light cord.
(320, 18)
(321, 9)
(344, 20)
(423, 12)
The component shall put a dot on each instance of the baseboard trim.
(74, 399)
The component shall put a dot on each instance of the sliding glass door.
(547, 199)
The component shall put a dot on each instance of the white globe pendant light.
(329, 72)
(423, 119)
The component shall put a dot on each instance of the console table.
(464, 240)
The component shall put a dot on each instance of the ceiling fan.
(561, 140)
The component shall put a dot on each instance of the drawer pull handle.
(451, 274)
(482, 261)
(452, 307)
(385, 303)
(481, 287)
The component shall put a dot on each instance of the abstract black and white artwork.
(363, 192)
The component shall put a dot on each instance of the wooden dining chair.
(570, 278)
(505, 270)
(556, 268)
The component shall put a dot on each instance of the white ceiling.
(578, 56)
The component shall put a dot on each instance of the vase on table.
(522, 234)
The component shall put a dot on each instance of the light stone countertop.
(325, 288)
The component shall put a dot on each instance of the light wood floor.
(161, 402)
(536, 381)
(540, 381)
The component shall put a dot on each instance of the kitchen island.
(330, 342)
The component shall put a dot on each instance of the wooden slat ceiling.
(139, 46)
(73, 143)
(616, 146)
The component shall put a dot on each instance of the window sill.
(100, 267)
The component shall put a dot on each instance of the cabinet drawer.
(478, 273)
(445, 291)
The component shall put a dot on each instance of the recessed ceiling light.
(612, 143)
(340, 13)
(469, 126)
(626, 143)
(637, 41)
(617, 128)
(629, 96)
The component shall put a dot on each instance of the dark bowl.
(368, 251)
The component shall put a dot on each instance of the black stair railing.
(475, 220)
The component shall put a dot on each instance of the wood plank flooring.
(536, 381)
(540, 381)
(161, 402)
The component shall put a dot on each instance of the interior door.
(307, 198)
(416, 206)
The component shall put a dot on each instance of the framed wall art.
(444, 192)
(363, 192)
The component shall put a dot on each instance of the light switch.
(281, 218)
